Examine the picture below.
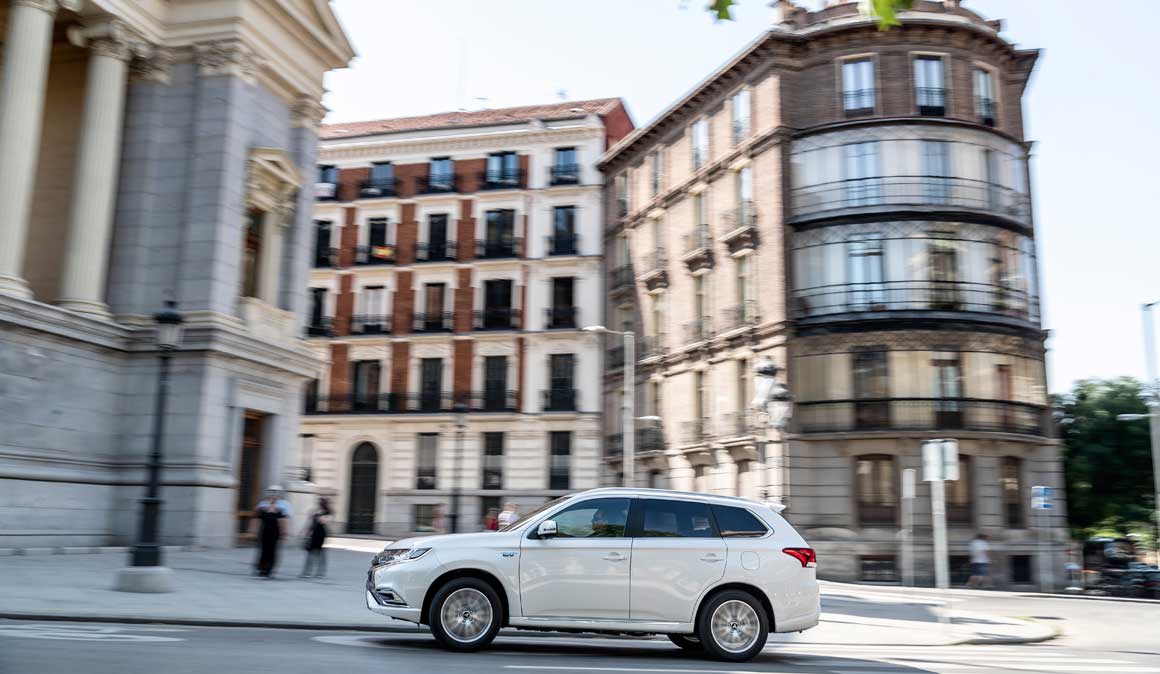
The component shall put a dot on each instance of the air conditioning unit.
(324, 190)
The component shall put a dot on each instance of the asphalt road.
(76, 648)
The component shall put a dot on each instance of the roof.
(450, 120)
(715, 498)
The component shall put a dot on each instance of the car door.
(677, 555)
(583, 571)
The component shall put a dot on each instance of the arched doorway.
(364, 487)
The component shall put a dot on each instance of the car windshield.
(532, 515)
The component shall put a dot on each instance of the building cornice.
(336, 151)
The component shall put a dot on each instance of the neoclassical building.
(154, 151)
(853, 204)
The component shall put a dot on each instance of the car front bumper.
(397, 590)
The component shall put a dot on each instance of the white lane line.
(664, 670)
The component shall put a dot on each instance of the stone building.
(853, 204)
(455, 258)
(153, 151)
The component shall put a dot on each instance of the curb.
(1053, 633)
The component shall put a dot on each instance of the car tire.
(733, 626)
(688, 642)
(465, 614)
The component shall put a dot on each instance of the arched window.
(1012, 482)
(874, 490)
(960, 495)
(364, 487)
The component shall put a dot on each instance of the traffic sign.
(1041, 498)
(940, 460)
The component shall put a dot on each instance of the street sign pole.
(1041, 504)
(940, 462)
(908, 477)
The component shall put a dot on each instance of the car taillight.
(806, 556)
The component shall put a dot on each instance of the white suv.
(713, 573)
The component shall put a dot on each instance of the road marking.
(64, 632)
(664, 670)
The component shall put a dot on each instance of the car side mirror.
(547, 529)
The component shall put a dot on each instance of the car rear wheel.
(733, 626)
(688, 642)
(465, 614)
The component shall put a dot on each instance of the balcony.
(325, 191)
(737, 424)
(497, 318)
(559, 399)
(920, 414)
(436, 184)
(655, 272)
(924, 193)
(561, 318)
(869, 300)
(695, 432)
(653, 346)
(506, 179)
(435, 252)
(698, 248)
(931, 101)
(376, 189)
(493, 400)
(648, 441)
(326, 258)
(489, 249)
(563, 244)
(372, 256)
(858, 102)
(620, 279)
(698, 331)
(322, 327)
(740, 225)
(616, 357)
(438, 321)
(740, 316)
(370, 324)
(564, 174)
(986, 109)
(383, 403)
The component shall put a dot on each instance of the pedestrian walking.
(439, 520)
(980, 561)
(509, 515)
(270, 523)
(315, 538)
(491, 520)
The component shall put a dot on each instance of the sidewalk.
(214, 587)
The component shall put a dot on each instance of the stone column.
(95, 184)
(270, 261)
(22, 82)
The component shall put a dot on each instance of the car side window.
(738, 522)
(595, 518)
(663, 518)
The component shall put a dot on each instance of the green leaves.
(721, 9)
(887, 11)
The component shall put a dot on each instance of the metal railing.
(919, 414)
(370, 324)
(931, 101)
(736, 424)
(559, 318)
(695, 432)
(741, 315)
(326, 258)
(323, 327)
(986, 110)
(436, 184)
(439, 321)
(373, 189)
(649, 440)
(564, 174)
(366, 256)
(384, 403)
(426, 251)
(325, 191)
(491, 249)
(559, 399)
(493, 400)
(956, 296)
(699, 330)
(699, 240)
(497, 318)
(562, 244)
(502, 179)
(653, 346)
(858, 102)
(655, 262)
(910, 190)
(741, 215)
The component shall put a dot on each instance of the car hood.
(482, 539)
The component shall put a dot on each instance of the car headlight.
(398, 555)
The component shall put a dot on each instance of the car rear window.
(738, 522)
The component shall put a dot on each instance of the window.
(864, 259)
(741, 111)
(991, 179)
(423, 517)
(985, 96)
(372, 317)
(497, 304)
(943, 272)
(654, 167)
(382, 173)
(328, 174)
(560, 465)
(863, 181)
(738, 522)
(871, 388)
(440, 174)
(564, 241)
(675, 519)
(594, 518)
(317, 307)
(928, 85)
(658, 318)
(323, 253)
(495, 371)
(700, 143)
(960, 495)
(365, 384)
(700, 478)
(858, 87)
(948, 388)
(425, 460)
(1021, 569)
(874, 490)
(936, 160)
(700, 303)
(500, 233)
(562, 313)
(744, 372)
(1012, 485)
(434, 304)
(503, 168)
(252, 253)
(493, 460)
(430, 384)
(377, 229)
(744, 187)
(620, 187)
(565, 170)
(878, 569)
(561, 394)
(566, 157)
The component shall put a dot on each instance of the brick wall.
(339, 369)
(404, 303)
(464, 301)
(464, 352)
(408, 234)
(400, 362)
(348, 182)
(348, 245)
(617, 125)
(467, 173)
(465, 234)
(344, 305)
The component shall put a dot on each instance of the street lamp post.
(628, 410)
(460, 427)
(145, 573)
(1152, 398)
(774, 403)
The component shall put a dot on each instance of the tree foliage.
(885, 10)
(1107, 463)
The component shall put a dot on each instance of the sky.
(1091, 107)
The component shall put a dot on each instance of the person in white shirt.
(509, 514)
(980, 561)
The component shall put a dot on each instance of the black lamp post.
(147, 550)
(460, 425)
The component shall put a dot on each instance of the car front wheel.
(465, 614)
(733, 626)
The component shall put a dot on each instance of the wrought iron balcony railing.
(368, 256)
(493, 400)
(697, 240)
(987, 109)
(438, 321)
(444, 251)
(326, 258)
(505, 179)
(695, 432)
(370, 324)
(559, 399)
(322, 327)
(497, 318)
(921, 191)
(562, 244)
(560, 318)
(889, 296)
(919, 414)
(698, 331)
(376, 188)
(741, 315)
(384, 403)
(491, 249)
(858, 102)
(325, 191)
(931, 101)
(737, 424)
(437, 183)
(564, 174)
(620, 278)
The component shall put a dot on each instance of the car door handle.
(712, 558)
(615, 557)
